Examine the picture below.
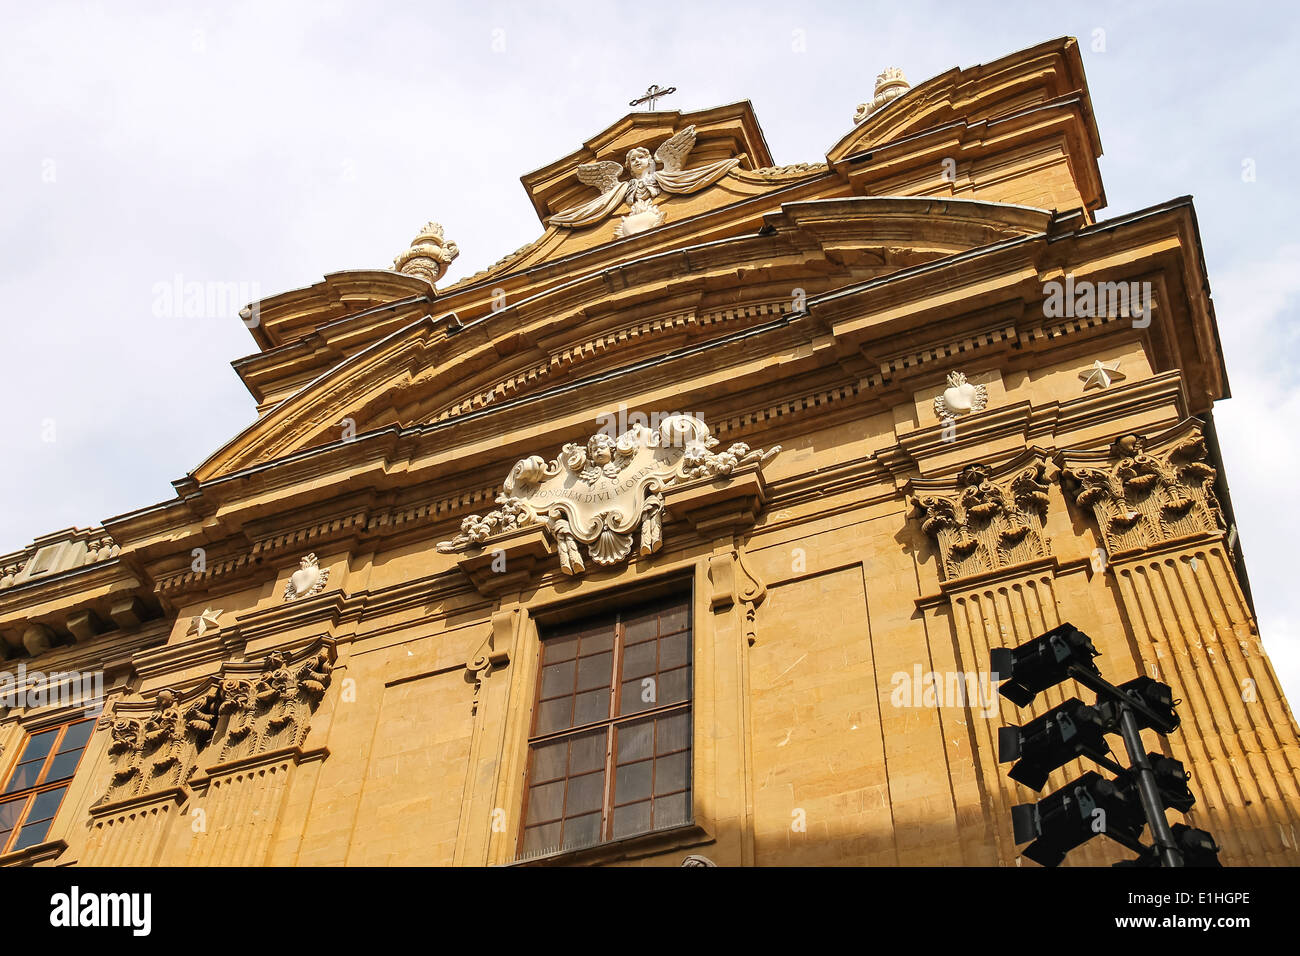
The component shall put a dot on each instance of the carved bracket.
(493, 654)
(734, 584)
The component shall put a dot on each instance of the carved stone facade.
(156, 744)
(890, 85)
(158, 750)
(334, 648)
(429, 256)
(987, 520)
(602, 493)
(1144, 493)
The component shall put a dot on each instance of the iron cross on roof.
(652, 94)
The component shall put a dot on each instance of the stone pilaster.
(1163, 541)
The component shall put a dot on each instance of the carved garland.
(247, 709)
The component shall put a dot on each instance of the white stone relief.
(1101, 374)
(644, 187)
(890, 85)
(309, 579)
(961, 397)
(600, 494)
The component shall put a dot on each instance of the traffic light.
(1120, 808)
(1171, 782)
(1073, 815)
(1092, 804)
(1041, 663)
(1197, 848)
(1071, 730)
(1156, 696)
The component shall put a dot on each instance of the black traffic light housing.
(1073, 815)
(1041, 663)
(1073, 729)
(1119, 808)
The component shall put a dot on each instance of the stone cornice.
(397, 462)
(389, 519)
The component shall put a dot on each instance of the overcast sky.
(270, 143)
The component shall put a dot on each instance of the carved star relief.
(207, 621)
(1100, 374)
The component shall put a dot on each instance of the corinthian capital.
(986, 519)
(1143, 492)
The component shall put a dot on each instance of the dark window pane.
(634, 741)
(46, 805)
(672, 652)
(38, 747)
(546, 802)
(673, 733)
(641, 627)
(9, 814)
(597, 640)
(567, 777)
(588, 752)
(671, 811)
(630, 701)
(595, 671)
(632, 782)
(639, 660)
(76, 736)
(63, 766)
(549, 761)
(542, 839)
(31, 834)
(586, 793)
(634, 818)
(554, 715)
(674, 685)
(24, 776)
(670, 773)
(557, 679)
(593, 705)
(582, 831)
(560, 649)
(674, 619)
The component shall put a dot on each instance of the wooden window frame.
(616, 617)
(42, 784)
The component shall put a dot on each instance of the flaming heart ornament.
(309, 579)
(960, 397)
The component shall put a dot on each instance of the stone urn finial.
(429, 255)
(890, 85)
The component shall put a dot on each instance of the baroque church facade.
(683, 534)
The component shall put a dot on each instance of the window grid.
(622, 723)
(38, 782)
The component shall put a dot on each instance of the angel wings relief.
(599, 494)
(645, 184)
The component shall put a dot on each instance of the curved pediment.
(1011, 84)
(434, 368)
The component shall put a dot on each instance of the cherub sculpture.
(644, 186)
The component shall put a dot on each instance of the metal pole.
(1147, 789)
